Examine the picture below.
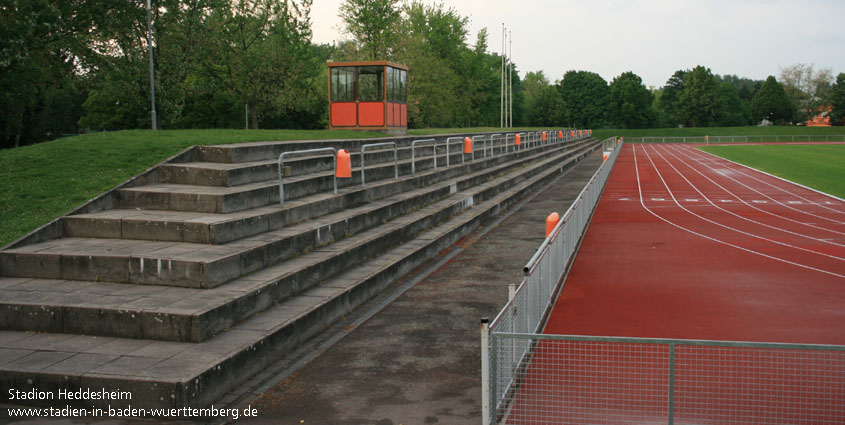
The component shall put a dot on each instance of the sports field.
(820, 166)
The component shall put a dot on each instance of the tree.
(535, 83)
(670, 98)
(550, 109)
(731, 111)
(586, 93)
(373, 23)
(698, 103)
(771, 103)
(630, 103)
(806, 87)
(836, 99)
(259, 49)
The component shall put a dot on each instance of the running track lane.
(686, 245)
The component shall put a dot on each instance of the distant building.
(822, 119)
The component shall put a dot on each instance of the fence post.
(485, 373)
(671, 383)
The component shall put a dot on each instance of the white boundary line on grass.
(783, 180)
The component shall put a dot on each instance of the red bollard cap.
(551, 222)
(467, 145)
(344, 164)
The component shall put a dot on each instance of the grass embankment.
(821, 167)
(41, 182)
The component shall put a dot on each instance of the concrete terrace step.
(235, 174)
(213, 228)
(194, 314)
(181, 374)
(221, 200)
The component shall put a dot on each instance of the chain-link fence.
(591, 380)
(530, 378)
(532, 300)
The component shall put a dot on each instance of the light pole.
(152, 72)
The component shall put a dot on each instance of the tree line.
(690, 98)
(78, 65)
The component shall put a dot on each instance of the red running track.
(687, 245)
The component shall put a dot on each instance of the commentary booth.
(368, 96)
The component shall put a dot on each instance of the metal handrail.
(303, 152)
(483, 141)
(493, 143)
(448, 143)
(374, 145)
(413, 153)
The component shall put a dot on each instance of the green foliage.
(630, 103)
(586, 93)
(550, 109)
(836, 99)
(816, 166)
(698, 104)
(373, 23)
(772, 103)
(731, 111)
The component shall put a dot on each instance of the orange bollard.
(605, 156)
(544, 136)
(560, 134)
(551, 223)
(344, 164)
(579, 133)
(518, 140)
(467, 145)
(571, 133)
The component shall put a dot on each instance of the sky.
(748, 38)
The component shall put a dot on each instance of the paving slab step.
(213, 228)
(220, 200)
(178, 374)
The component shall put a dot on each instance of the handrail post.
(485, 372)
(303, 152)
(395, 159)
(413, 153)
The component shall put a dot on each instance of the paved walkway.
(417, 360)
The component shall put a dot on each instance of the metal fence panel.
(588, 380)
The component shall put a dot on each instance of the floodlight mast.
(502, 80)
(153, 114)
(510, 80)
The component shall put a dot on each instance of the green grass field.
(41, 182)
(821, 167)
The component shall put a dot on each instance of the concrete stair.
(179, 305)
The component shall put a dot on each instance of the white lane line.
(705, 163)
(740, 200)
(763, 238)
(736, 170)
(642, 203)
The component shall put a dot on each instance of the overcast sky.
(749, 38)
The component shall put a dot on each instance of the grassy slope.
(41, 182)
(821, 167)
